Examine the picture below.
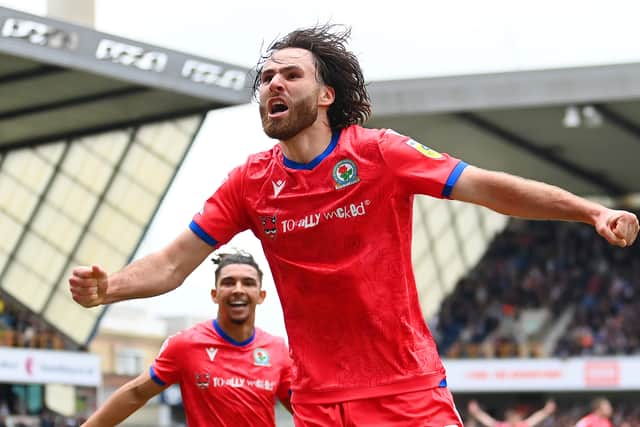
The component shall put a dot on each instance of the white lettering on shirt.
(238, 382)
(347, 211)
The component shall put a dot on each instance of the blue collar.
(313, 163)
(230, 340)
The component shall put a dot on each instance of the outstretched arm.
(155, 274)
(515, 196)
(484, 418)
(125, 401)
(539, 416)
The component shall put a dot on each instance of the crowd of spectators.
(21, 404)
(21, 328)
(551, 267)
(46, 419)
(626, 412)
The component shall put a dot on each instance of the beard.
(302, 114)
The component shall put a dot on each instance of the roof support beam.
(73, 102)
(78, 133)
(33, 73)
(619, 121)
(548, 156)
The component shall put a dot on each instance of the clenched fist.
(619, 228)
(88, 285)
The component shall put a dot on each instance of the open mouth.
(277, 108)
(238, 304)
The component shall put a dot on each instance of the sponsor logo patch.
(346, 211)
(269, 225)
(424, 150)
(203, 380)
(277, 187)
(211, 352)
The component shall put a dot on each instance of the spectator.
(513, 418)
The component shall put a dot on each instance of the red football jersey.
(337, 235)
(593, 420)
(224, 382)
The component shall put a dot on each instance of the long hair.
(335, 66)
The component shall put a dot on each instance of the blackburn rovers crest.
(345, 173)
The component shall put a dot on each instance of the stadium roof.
(93, 128)
(578, 128)
(60, 80)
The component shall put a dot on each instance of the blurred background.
(118, 119)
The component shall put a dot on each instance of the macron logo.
(211, 352)
(277, 187)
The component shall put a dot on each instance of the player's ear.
(214, 295)
(263, 295)
(327, 96)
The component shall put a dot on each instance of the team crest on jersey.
(269, 225)
(345, 173)
(424, 150)
(261, 357)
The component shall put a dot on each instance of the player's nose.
(276, 85)
(238, 287)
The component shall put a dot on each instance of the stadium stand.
(93, 128)
(626, 411)
(126, 115)
(22, 404)
(21, 328)
(93, 132)
(534, 277)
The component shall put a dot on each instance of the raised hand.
(88, 285)
(619, 228)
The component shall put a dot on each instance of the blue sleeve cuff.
(202, 234)
(155, 377)
(453, 178)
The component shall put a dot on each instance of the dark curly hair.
(335, 66)
(239, 257)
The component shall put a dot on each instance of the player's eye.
(227, 282)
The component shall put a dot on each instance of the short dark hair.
(239, 257)
(597, 402)
(335, 66)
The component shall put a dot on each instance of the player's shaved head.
(602, 406)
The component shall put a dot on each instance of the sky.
(394, 40)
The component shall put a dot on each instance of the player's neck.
(308, 144)
(239, 332)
